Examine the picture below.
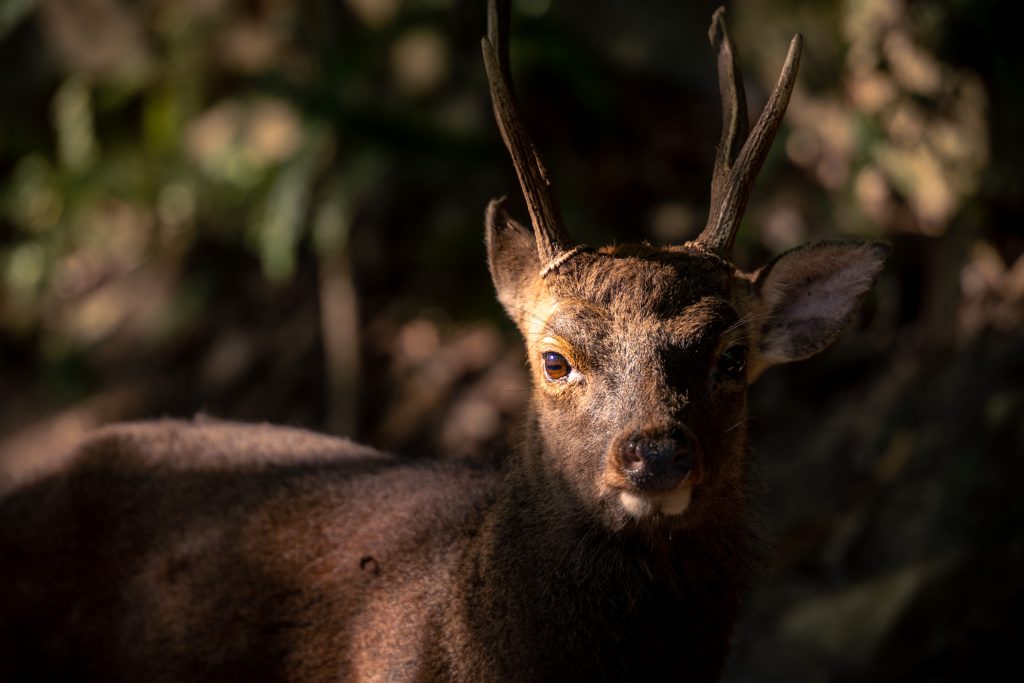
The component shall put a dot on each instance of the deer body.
(613, 544)
(333, 562)
(256, 553)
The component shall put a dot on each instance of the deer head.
(641, 355)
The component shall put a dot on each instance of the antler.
(740, 157)
(553, 242)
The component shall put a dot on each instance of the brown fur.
(171, 551)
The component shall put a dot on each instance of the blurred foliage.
(272, 210)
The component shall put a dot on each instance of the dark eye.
(555, 365)
(733, 362)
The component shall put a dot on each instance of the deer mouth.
(643, 505)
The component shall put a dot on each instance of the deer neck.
(540, 524)
(543, 566)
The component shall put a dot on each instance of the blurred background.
(272, 210)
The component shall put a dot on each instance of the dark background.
(272, 210)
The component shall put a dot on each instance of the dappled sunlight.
(419, 61)
(236, 142)
(907, 133)
(374, 13)
(993, 293)
(427, 371)
(99, 39)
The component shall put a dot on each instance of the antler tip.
(492, 20)
(716, 32)
(797, 43)
(792, 62)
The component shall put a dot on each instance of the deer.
(614, 541)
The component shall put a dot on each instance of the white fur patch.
(636, 505)
(641, 505)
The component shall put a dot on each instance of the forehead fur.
(641, 279)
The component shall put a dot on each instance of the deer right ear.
(511, 257)
(807, 296)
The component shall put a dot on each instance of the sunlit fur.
(172, 551)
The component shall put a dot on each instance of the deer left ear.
(807, 296)
(511, 256)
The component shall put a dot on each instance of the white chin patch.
(637, 506)
(644, 505)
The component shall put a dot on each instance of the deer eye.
(555, 365)
(733, 362)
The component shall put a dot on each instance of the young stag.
(613, 545)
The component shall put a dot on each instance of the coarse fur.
(206, 550)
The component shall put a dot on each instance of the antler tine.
(553, 240)
(734, 105)
(499, 17)
(736, 170)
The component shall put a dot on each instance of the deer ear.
(807, 296)
(511, 257)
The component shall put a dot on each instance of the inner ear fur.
(511, 258)
(808, 295)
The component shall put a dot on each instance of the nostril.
(632, 456)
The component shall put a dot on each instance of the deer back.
(216, 551)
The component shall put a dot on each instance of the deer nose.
(657, 461)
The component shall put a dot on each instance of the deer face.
(641, 356)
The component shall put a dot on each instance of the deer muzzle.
(657, 460)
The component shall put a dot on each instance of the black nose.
(657, 461)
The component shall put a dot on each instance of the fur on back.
(218, 551)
